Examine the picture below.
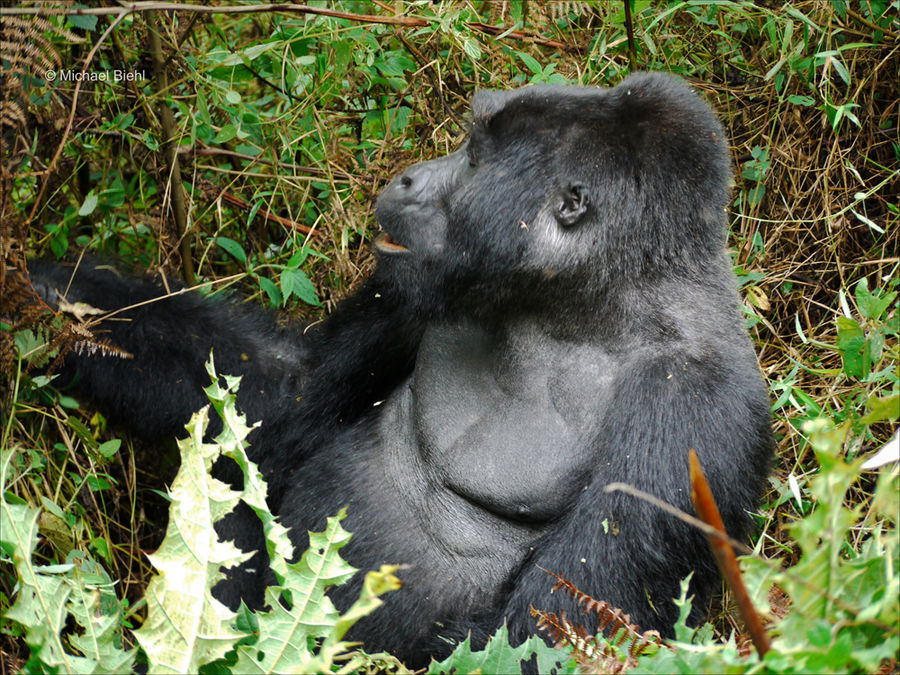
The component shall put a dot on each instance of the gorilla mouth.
(386, 244)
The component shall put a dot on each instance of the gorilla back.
(553, 310)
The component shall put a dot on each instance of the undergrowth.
(287, 124)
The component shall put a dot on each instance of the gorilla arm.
(302, 384)
(154, 391)
(625, 551)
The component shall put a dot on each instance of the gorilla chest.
(510, 425)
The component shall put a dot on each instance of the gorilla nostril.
(406, 181)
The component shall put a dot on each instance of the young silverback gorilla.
(553, 310)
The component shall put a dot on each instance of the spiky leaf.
(185, 625)
(499, 657)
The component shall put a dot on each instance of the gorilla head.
(560, 191)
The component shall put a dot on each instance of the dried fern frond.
(25, 45)
(559, 10)
(88, 343)
(624, 642)
(11, 115)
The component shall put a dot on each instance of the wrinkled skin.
(552, 311)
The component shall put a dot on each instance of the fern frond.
(623, 643)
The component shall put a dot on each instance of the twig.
(167, 120)
(629, 30)
(137, 7)
(708, 530)
(887, 32)
(519, 35)
(181, 291)
(264, 213)
(406, 21)
(706, 508)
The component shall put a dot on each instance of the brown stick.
(135, 7)
(263, 213)
(170, 143)
(706, 508)
(518, 35)
(205, 9)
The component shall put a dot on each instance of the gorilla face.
(412, 208)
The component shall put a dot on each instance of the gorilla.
(552, 310)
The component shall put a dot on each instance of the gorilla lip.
(384, 242)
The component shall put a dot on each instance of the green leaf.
(186, 626)
(531, 63)
(755, 194)
(499, 657)
(251, 53)
(271, 289)
(298, 258)
(69, 402)
(232, 247)
(880, 409)
(855, 349)
(122, 121)
(286, 630)
(300, 611)
(797, 99)
(872, 305)
(295, 282)
(48, 595)
(85, 22)
(109, 448)
(226, 133)
(396, 64)
(471, 48)
(94, 606)
(90, 203)
(149, 139)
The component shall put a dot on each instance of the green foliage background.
(286, 125)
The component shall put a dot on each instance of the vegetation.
(244, 151)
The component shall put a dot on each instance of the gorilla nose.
(415, 178)
(429, 181)
(410, 186)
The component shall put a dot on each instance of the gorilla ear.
(572, 205)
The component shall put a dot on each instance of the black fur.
(553, 311)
